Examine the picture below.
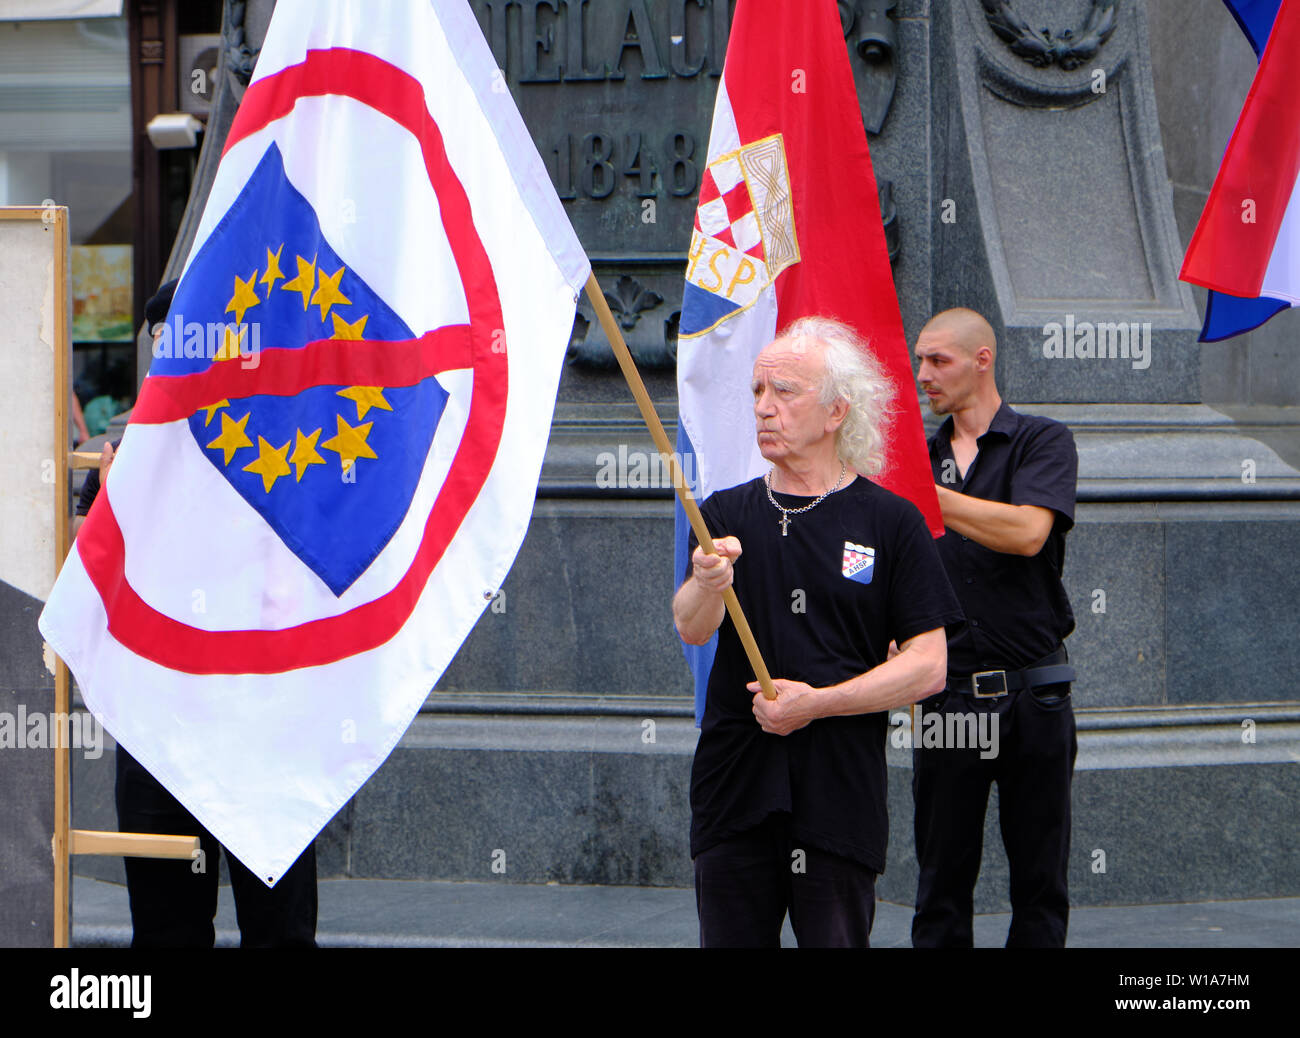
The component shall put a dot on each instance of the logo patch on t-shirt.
(859, 562)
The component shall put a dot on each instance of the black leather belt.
(993, 684)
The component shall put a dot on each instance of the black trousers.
(745, 885)
(174, 902)
(1033, 768)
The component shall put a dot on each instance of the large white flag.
(332, 464)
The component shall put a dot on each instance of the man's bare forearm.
(1013, 529)
(697, 612)
(698, 605)
(918, 671)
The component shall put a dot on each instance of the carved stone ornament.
(1069, 49)
(629, 299)
(847, 15)
(240, 57)
(581, 325)
(889, 218)
(873, 36)
(671, 327)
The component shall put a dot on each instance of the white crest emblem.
(744, 234)
(859, 562)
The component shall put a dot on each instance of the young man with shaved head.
(788, 796)
(1006, 485)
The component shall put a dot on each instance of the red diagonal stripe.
(288, 372)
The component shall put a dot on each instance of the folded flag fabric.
(1246, 247)
(332, 463)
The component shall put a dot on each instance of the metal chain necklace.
(786, 513)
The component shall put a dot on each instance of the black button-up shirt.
(1016, 608)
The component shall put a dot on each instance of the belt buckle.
(998, 675)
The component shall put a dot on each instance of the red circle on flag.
(158, 637)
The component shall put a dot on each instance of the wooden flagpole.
(651, 417)
(87, 841)
(67, 841)
(62, 697)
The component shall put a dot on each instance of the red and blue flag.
(788, 225)
(1246, 247)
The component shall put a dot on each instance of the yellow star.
(328, 293)
(232, 436)
(273, 272)
(213, 410)
(343, 330)
(366, 397)
(245, 297)
(231, 342)
(270, 463)
(304, 452)
(350, 443)
(304, 282)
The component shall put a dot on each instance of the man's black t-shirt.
(1016, 607)
(824, 602)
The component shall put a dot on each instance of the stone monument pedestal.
(1026, 180)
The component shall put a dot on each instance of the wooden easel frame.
(67, 841)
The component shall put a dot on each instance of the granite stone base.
(1168, 805)
(1180, 574)
(1175, 568)
(1173, 804)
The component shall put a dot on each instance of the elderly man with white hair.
(788, 796)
